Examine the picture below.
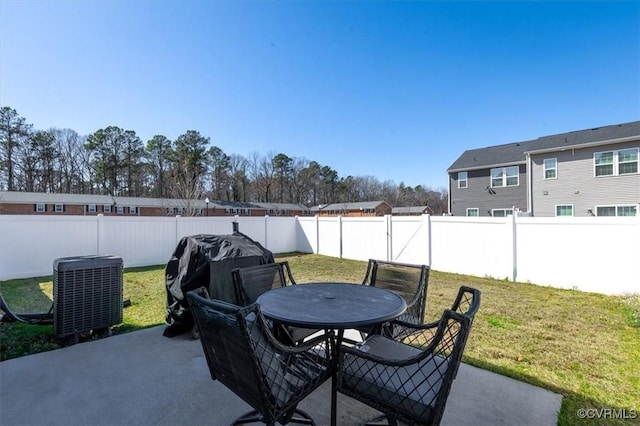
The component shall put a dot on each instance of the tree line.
(117, 162)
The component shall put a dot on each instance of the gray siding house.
(593, 172)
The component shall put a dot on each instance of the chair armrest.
(413, 334)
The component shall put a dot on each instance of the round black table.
(332, 306)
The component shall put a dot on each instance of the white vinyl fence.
(29, 244)
(595, 254)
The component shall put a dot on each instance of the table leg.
(334, 380)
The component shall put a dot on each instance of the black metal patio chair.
(251, 282)
(407, 280)
(243, 354)
(466, 303)
(409, 381)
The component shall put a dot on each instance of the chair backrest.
(244, 356)
(252, 281)
(467, 301)
(407, 280)
(225, 346)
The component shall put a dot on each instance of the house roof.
(16, 197)
(281, 206)
(516, 152)
(19, 197)
(410, 209)
(155, 202)
(233, 204)
(354, 206)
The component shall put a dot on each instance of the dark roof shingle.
(515, 152)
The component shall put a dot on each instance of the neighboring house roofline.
(584, 145)
(512, 153)
(492, 166)
(355, 205)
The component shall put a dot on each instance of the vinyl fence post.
(177, 229)
(317, 235)
(100, 234)
(340, 233)
(388, 223)
(266, 226)
(511, 222)
(426, 222)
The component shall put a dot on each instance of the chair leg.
(382, 420)
(300, 417)
(250, 417)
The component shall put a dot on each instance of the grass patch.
(584, 346)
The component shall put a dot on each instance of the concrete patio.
(144, 378)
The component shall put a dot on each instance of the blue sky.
(395, 90)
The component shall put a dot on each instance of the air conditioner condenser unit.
(87, 295)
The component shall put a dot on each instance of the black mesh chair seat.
(387, 382)
(408, 379)
(243, 354)
(253, 281)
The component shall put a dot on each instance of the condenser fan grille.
(87, 294)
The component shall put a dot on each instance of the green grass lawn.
(584, 346)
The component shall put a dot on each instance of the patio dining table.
(331, 306)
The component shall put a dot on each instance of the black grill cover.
(206, 260)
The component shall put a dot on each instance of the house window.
(626, 210)
(120, 210)
(564, 210)
(106, 208)
(550, 166)
(58, 208)
(462, 180)
(473, 212)
(505, 176)
(628, 161)
(614, 163)
(616, 211)
(92, 208)
(606, 211)
(501, 212)
(40, 208)
(133, 210)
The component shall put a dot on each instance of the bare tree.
(300, 181)
(239, 169)
(189, 168)
(70, 169)
(262, 175)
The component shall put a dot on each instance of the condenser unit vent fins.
(87, 294)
